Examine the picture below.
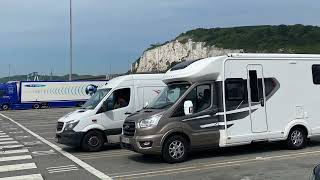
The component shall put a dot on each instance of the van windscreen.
(169, 96)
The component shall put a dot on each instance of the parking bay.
(258, 161)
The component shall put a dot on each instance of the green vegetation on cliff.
(265, 39)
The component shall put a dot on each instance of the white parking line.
(6, 139)
(3, 136)
(84, 165)
(14, 151)
(16, 167)
(62, 169)
(15, 158)
(8, 142)
(25, 177)
(11, 146)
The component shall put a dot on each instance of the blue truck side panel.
(10, 94)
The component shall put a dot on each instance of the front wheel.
(297, 139)
(93, 141)
(175, 149)
(5, 107)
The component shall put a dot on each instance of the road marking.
(208, 165)
(84, 165)
(11, 146)
(25, 177)
(16, 132)
(43, 153)
(62, 169)
(32, 143)
(3, 136)
(15, 158)
(9, 129)
(22, 137)
(14, 151)
(105, 156)
(8, 142)
(6, 139)
(16, 167)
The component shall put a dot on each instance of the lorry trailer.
(42, 94)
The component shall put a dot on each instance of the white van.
(100, 119)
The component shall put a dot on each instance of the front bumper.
(134, 144)
(69, 138)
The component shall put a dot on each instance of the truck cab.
(8, 95)
(100, 119)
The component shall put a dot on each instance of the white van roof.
(118, 80)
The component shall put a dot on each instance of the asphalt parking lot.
(34, 152)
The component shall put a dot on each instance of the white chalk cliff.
(161, 58)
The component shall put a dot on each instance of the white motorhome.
(100, 119)
(230, 100)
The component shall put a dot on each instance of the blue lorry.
(43, 94)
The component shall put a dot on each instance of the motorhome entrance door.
(257, 98)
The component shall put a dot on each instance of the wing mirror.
(188, 107)
(146, 104)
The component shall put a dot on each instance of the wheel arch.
(301, 125)
(173, 133)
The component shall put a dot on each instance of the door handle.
(127, 113)
(262, 102)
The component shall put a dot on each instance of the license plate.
(125, 140)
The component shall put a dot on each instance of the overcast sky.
(34, 34)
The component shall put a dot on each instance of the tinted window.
(316, 74)
(201, 99)
(119, 99)
(235, 89)
(183, 65)
(254, 89)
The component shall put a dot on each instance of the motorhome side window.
(316, 73)
(118, 99)
(254, 86)
(201, 99)
(235, 89)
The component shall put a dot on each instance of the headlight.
(150, 122)
(71, 124)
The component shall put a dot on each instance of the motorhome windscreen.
(96, 98)
(169, 96)
(183, 65)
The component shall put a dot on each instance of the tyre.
(36, 106)
(93, 141)
(175, 149)
(297, 138)
(5, 107)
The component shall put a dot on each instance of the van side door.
(202, 126)
(117, 107)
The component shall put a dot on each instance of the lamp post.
(70, 19)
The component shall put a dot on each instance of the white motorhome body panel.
(295, 102)
(56, 91)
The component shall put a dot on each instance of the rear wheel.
(5, 107)
(36, 106)
(93, 141)
(175, 149)
(297, 138)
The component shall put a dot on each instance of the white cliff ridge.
(161, 58)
